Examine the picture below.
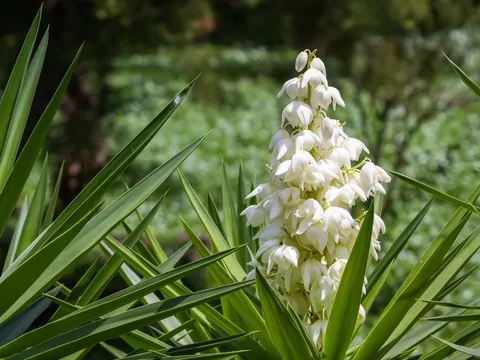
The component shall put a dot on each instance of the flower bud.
(301, 61)
(318, 64)
(361, 314)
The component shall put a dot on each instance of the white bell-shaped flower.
(301, 61)
(271, 231)
(375, 247)
(293, 277)
(382, 175)
(341, 156)
(369, 179)
(282, 143)
(326, 127)
(335, 272)
(312, 271)
(324, 95)
(335, 97)
(346, 194)
(295, 168)
(284, 257)
(341, 252)
(313, 77)
(293, 89)
(303, 171)
(321, 295)
(299, 163)
(255, 215)
(330, 131)
(317, 331)
(306, 140)
(314, 237)
(283, 202)
(378, 227)
(297, 113)
(268, 247)
(318, 64)
(330, 169)
(290, 196)
(310, 212)
(338, 221)
(320, 175)
(320, 97)
(354, 147)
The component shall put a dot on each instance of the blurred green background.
(403, 100)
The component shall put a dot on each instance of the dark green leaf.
(281, 326)
(464, 77)
(9, 95)
(469, 351)
(397, 246)
(439, 194)
(344, 314)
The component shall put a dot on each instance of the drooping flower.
(297, 113)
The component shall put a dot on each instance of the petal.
(257, 190)
(336, 97)
(283, 167)
(291, 254)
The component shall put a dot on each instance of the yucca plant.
(156, 315)
(283, 324)
(45, 247)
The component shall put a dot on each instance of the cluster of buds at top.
(307, 231)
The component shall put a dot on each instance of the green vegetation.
(132, 301)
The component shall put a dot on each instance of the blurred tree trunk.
(81, 147)
(78, 142)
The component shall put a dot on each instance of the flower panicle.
(307, 230)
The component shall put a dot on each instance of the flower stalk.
(316, 177)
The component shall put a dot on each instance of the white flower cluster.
(306, 229)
